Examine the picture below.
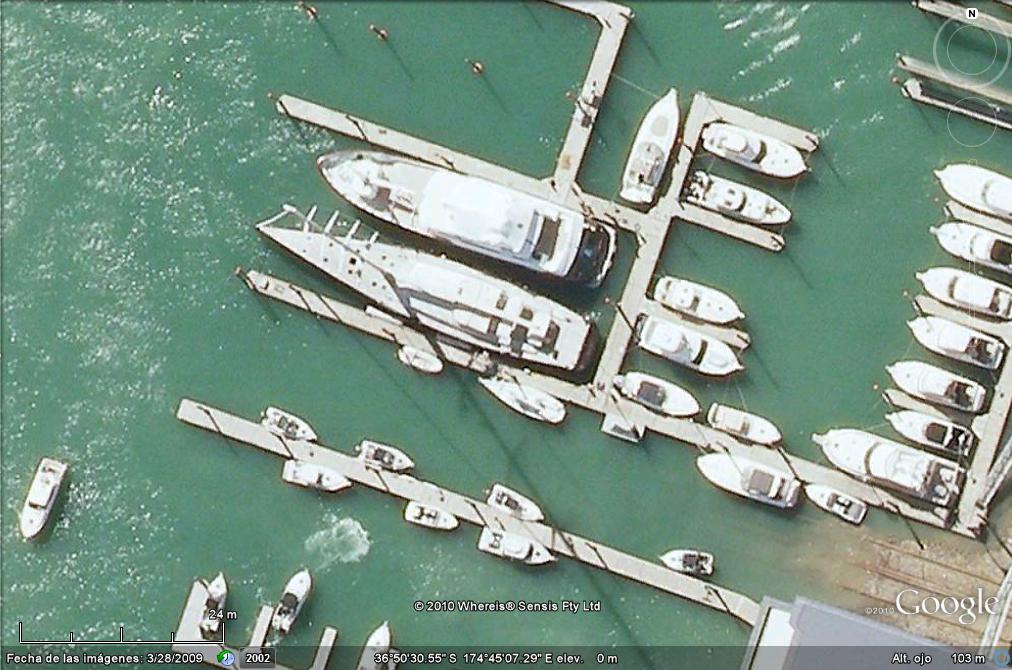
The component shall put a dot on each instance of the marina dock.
(954, 12)
(408, 488)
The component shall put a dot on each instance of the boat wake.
(341, 540)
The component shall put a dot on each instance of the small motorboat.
(313, 476)
(747, 426)
(685, 346)
(698, 301)
(966, 290)
(42, 495)
(938, 386)
(217, 591)
(429, 516)
(651, 151)
(877, 460)
(735, 200)
(527, 400)
(689, 561)
(945, 436)
(511, 502)
(296, 594)
(848, 508)
(383, 456)
(750, 479)
(513, 547)
(287, 425)
(753, 150)
(617, 425)
(378, 642)
(975, 244)
(979, 188)
(948, 338)
(423, 361)
(656, 394)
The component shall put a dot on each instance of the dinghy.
(735, 200)
(617, 425)
(880, 461)
(698, 301)
(527, 400)
(296, 593)
(689, 562)
(751, 479)
(383, 456)
(287, 425)
(217, 591)
(753, 150)
(516, 504)
(313, 476)
(952, 439)
(429, 516)
(42, 494)
(938, 386)
(651, 151)
(966, 290)
(656, 394)
(948, 338)
(848, 508)
(685, 346)
(749, 427)
(976, 244)
(979, 188)
(378, 643)
(423, 361)
(513, 547)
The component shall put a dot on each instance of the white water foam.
(340, 540)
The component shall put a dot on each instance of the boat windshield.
(1001, 252)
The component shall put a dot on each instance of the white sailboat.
(287, 425)
(959, 342)
(313, 476)
(513, 547)
(750, 479)
(651, 151)
(293, 599)
(423, 361)
(753, 150)
(878, 460)
(735, 200)
(747, 426)
(429, 516)
(527, 400)
(685, 346)
(966, 290)
(952, 439)
(838, 503)
(938, 386)
(511, 502)
(976, 244)
(384, 456)
(982, 189)
(657, 394)
(696, 300)
(42, 495)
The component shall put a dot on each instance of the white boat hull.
(651, 151)
(296, 593)
(687, 347)
(938, 386)
(698, 301)
(378, 642)
(658, 395)
(287, 425)
(951, 439)
(419, 360)
(527, 400)
(837, 503)
(958, 342)
(737, 201)
(967, 291)
(975, 244)
(43, 492)
(747, 426)
(753, 150)
(383, 456)
(513, 547)
(429, 516)
(750, 479)
(689, 562)
(516, 504)
(979, 188)
(313, 476)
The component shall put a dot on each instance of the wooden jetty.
(915, 90)
(407, 487)
(188, 631)
(932, 72)
(954, 12)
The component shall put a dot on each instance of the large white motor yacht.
(982, 189)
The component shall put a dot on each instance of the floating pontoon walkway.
(473, 511)
(953, 12)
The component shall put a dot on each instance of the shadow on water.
(328, 36)
(493, 91)
(638, 32)
(534, 17)
(797, 266)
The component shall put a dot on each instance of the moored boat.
(527, 400)
(938, 386)
(42, 494)
(383, 456)
(513, 547)
(747, 426)
(949, 438)
(686, 346)
(875, 459)
(423, 361)
(287, 425)
(979, 188)
(313, 476)
(750, 479)
(959, 342)
(838, 503)
(651, 151)
(429, 516)
(511, 502)
(696, 300)
(689, 561)
(975, 244)
(966, 290)
(296, 593)
(753, 150)
(657, 394)
(474, 214)
(217, 592)
(374, 650)
(735, 200)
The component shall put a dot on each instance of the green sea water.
(139, 147)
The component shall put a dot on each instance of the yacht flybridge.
(473, 214)
(441, 295)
